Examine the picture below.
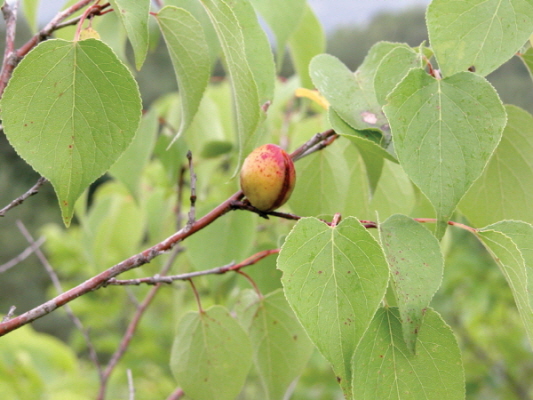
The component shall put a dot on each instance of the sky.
(332, 13)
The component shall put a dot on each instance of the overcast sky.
(331, 13)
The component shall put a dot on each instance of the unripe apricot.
(268, 177)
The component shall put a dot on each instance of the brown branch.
(33, 190)
(143, 257)
(95, 10)
(176, 394)
(305, 149)
(252, 282)
(452, 223)
(9, 10)
(158, 279)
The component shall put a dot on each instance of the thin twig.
(9, 314)
(95, 11)
(192, 211)
(176, 394)
(19, 200)
(130, 385)
(179, 190)
(158, 279)
(319, 146)
(305, 149)
(197, 296)
(22, 256)
(91, 11)
(452, 223)
(252, 282)
(9, 10)
(57, 285)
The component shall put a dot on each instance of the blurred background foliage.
(474, 298)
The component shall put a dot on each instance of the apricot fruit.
(268, 177)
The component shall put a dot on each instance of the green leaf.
(393, 67)
(478, 33)
(416, 266)
(509, 243)
(385, 369)
(331, 181)
(505, 190)
(334, 279)
(112, 33)
(190, 57)
(211, 355)
(70, 110)
(237, 227)
(307, 41)
(394, 193)
(245, 94)
(283, 17)
(444, 131)
(280, 345)
(373, 154)
(351, 96)
(34, 364)
(134, 15)
(207, 136)
(128, 169)
(198, 12)
(258, 50)
(114, 227)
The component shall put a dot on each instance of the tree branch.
(176, 394)
(19, 200)
(9, 10)
(158, 279)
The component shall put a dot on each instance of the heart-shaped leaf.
(334, 279)
(444, 131)
(70, 110)
(211, 355)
